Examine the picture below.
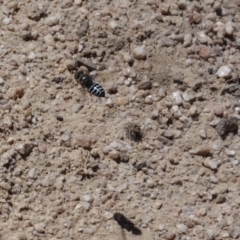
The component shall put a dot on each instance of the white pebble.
(6, 21)
(114, 155)
(49, 40)
(31, 56)
(78, 2)
(108, 215)
(150, 183)
(186, 97)
(229, 29)
(127, 57)
(210, 233)
(139, 52)
(218, 26)
(24, 26)
(224, 72)
(148, 99)
(86, 205)
(230, 152)
(115, 145)
(5, 185)
(203, 133)
(53, 20)
(161, 227)
(178, 97)
(112, 24)
(109, 102)
(210, 164)
(188, 62)
(88, 198)
(32, 173)
(106, 149)
(202, 37)
(187, 40)
(40, 227)
(182, 227)
(128, 81)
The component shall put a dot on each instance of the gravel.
(69, 164)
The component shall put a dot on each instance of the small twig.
(86, 160)
(221, 90)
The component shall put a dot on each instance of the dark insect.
(86, 82)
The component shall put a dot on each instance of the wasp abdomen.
(86, 81)
(97, 90)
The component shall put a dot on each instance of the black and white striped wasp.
(87, 82)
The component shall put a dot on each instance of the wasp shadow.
(125, 223)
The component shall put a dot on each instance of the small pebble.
(182, 228)
(210, 164)
(203, 133)
(218, 111)
(127, 57)
(32, 173)
(229, 152)
(108, 215)
(53, 20)
(6, 21)
(220, 198)
(139, 53)
(24, 148)
(109, 103)
(210, 233)
(161, 227)
(145, 85)
(234, 232)
(114, 155)
(84, 141)
(226, 126)
(182, 4)
(193, 111)
(78, 2)
(203, 51)
(86, 205)
(5, 185)
(224, 72)
(187, 41)
(112, 88)
(178, 97)
(202, 37)
(167, 42)
(40, 227)
(148, 99)
(229, 29)
(113, 24)
(66, 136)
(49, 40)
(170, 236)
(88, 198)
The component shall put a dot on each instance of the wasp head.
(78, 75)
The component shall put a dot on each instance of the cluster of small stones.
(66, 161)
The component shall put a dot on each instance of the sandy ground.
(157, 158)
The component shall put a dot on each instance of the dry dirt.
(158, 158)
